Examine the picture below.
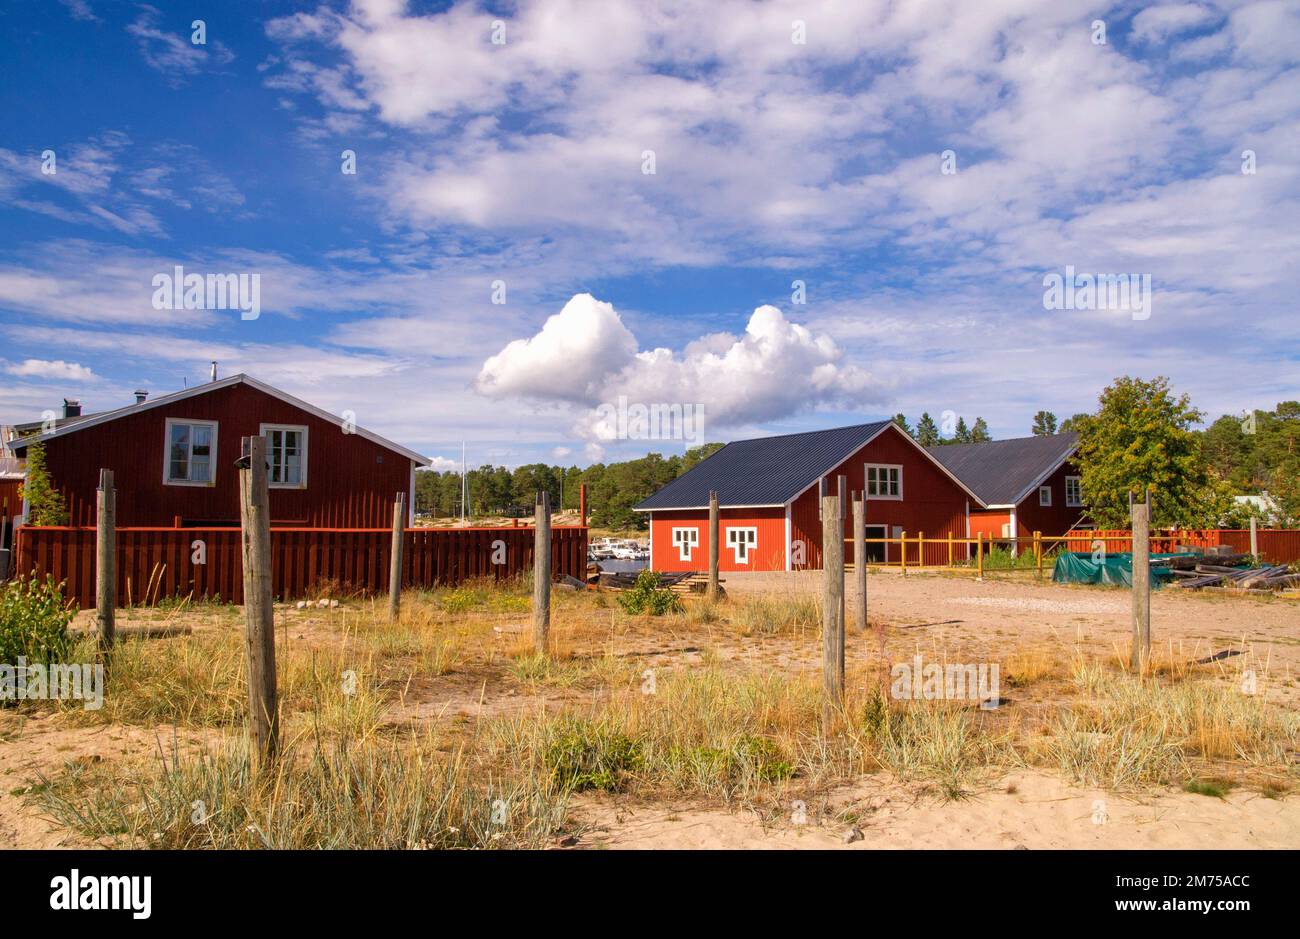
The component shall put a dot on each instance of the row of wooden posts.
(259, 612)
(833, 605)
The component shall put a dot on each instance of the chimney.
(214, 371)
(141, 396)
(71, 407)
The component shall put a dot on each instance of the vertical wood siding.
(767, 555)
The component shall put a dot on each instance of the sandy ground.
(1029, 810)
(932, 614)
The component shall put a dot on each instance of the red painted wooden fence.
(1276, 545)
(153, 563)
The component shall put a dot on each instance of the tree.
(1044, 424)
(1141, 437)
(927, 431)
(1074, 423)
(45, 505)
(980, 432)
(962, 433)
(901, 421)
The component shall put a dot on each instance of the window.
(742, 541)
(286, 451)
(884, 481)
(1073, 492)
(686, 540)
(190, 457)
(1044, 495)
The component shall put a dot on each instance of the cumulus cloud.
(585, 355)
(55, 369)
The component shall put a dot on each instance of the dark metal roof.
(764, 471)
(1001, 472)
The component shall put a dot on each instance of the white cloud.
(585, 355)
(1158, 23)
(55, 370)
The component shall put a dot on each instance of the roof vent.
(214, 371)
(71, 407)
(141, 396)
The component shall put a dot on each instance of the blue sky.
(523, 161)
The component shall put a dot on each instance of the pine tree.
(901, 421)
(962, 433)
(927, 431)
(1044, 424)
(980, 432)
(45, 504)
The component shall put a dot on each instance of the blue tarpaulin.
(1116, 570)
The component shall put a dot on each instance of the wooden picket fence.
(205, 563)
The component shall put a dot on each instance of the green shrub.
(592, 756)
(34, 622)
(646, 596)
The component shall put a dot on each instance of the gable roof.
(768, 472)
(104, 417)
(1003, 472)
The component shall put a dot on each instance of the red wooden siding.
(932, 503)
(303, 560)
(350, 480)
(768, 554)
(989, 522)
(1055, 519)
(1276, 545)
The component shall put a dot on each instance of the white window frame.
(741, 548)
(866, 477)
(167, 452)
(1045, 491)
(1078, 488)
(685, 546)
(265, 431)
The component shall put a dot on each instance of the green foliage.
(45, 502)
(34, 622)
(927, 432)
(901, 421)
(1256, 453)
(1044, 424)
(1141, 437)
(646, 596)
(979, 433)
(587, 755)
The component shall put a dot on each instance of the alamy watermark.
(918, 680)
(1122, 292)
(637, 421)
(40, 682)
(181, 291)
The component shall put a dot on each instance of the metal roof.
(1003, 472)
(72, 425)
(766, 471)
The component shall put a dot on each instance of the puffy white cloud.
(585, 355)
(1158, 23)
(54, 369)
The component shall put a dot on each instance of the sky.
(510, 223)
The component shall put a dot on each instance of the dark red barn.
(173, 460)
(768, 492)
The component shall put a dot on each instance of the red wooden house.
(1027, 484)
(173, 460)
(768, 492)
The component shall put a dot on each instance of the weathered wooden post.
(542, 573)
(1254, 539)
(832, 604)
(902, 550)
(1141, 576)
(395, 567)
(843, 509)
(1038, 552)
(105, 560)
(715, 527)
(950, 547)
(860, 557)
(255, 521)
(979, 555)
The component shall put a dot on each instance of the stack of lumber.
(1254, 579)
(680, 582)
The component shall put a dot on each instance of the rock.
(302, 604)
(333, 604)
(322, 603)
(852, 835)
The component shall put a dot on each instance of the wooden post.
(395, 557)
(582, 504)
(832, 604)
(902, 550)
(255, 519)
(920, 549)
(950, 547)
(542, 573)
(105, 559)
(860, 558)
(1141, 513)
(715, 529)
(979, 555)
(1254, 539)
(843, 510)
(1038, 552)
